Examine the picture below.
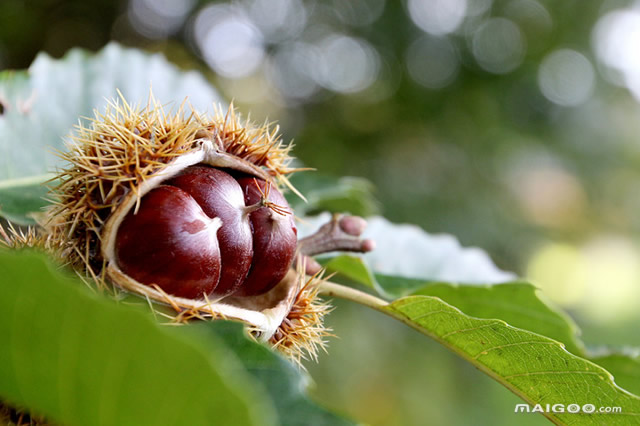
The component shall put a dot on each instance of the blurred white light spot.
(532, 15)
(253, 89)
(278, 20)
(229, 42)
(612, 273)
(291, 70)
(478, 7)
(358, 12)
(346, 64)
(566, 77)
(600, 278)
(551, 268)
(498, 45)
(616, 39)
(548, 193)
(158, 18)
(433, 62)
(437, 17)
(551, 196)
(170, 8)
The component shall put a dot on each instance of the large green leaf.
(285, 383)
(515, 303)
(518, 304)
(43, 103)
(536, 368)
(81, 360)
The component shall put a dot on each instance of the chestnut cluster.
(207, 232)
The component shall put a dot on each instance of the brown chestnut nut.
(219, 195)
(248, 247)
(172, 243)
(274, 236)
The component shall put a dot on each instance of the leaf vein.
(428, 314)
(444, 336)
(539, 373)
(529, 342)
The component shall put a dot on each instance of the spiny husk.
(301, 335)
(11, 416)
(18, 238)
(259, 145)
(126, 146)
(126, 152)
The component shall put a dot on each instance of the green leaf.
(43, 103)
(515, 303)
(352, 267)
(22, 199)
(356, 269)
(625, 370)
(519, 305)
(534, 367)
(79, 359)
(284, 382)
(337, 195)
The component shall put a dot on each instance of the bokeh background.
(512, 124)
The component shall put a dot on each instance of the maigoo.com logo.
(562, 408)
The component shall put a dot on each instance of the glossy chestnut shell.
(208, 233)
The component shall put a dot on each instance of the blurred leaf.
(355, 268)
(43, 103)
(625, 370)
(285, 383)
(77, 359)
(337, 195)
(352, 267)
(21, 199)
(410, 252)
(534, 367)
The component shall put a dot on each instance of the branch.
(341, 233)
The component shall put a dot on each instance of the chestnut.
(204, 234)
(170, 242)
(219, 195)
(274, 236)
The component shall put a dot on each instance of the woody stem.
(341, 233)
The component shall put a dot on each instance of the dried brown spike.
(302, 334)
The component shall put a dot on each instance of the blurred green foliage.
(80, 359)
(489, 155)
